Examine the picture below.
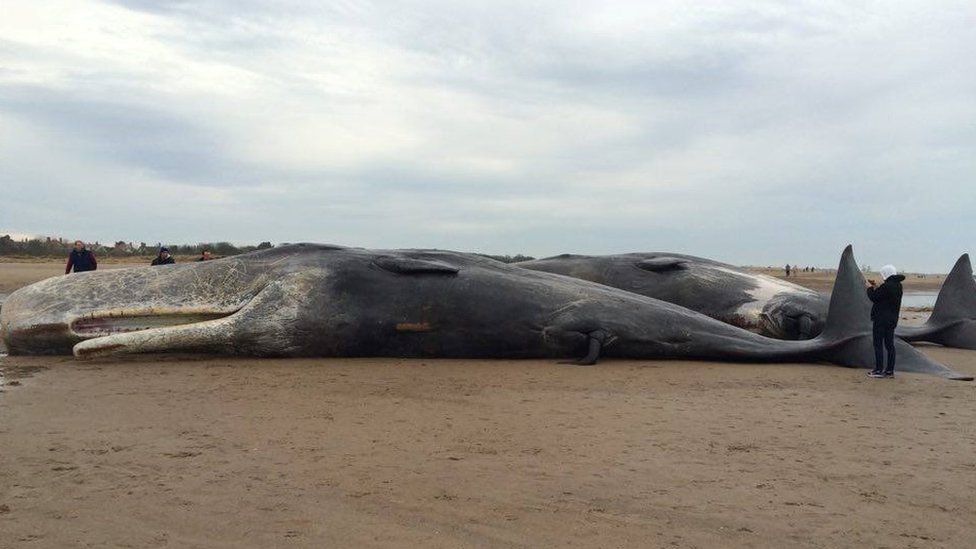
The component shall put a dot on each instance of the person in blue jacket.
(80, 259)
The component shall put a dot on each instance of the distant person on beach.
(885, 308)
(205, 256)
(163, 258)
(787, 270)
(80, 259)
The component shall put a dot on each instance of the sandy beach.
(181, 452)
(17, 274)
(418, 142)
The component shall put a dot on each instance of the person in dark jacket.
(885, 309)
(205, 256)
(80, 259)
(163, 258)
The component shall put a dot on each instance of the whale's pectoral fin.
(595, 341)
(411, 266)
(662, 264)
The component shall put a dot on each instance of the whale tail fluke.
(847, 338)
(849, 312)
(957, 298)
(953, 320)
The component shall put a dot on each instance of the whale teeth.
(117, 323)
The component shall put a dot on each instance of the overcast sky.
(756, 133)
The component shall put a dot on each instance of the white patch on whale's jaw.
(750, 315)
(168, 338)
(94, 326)
(263, 326)
(103, 332)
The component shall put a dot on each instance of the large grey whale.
(756, 302)
(312, 300)
(761, 303)
(953, 319)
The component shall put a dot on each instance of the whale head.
(794, 315)
(52, 316)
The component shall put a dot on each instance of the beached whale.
(312, 300)
(953, 319)
(756, 302)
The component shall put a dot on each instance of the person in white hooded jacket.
(885, 310)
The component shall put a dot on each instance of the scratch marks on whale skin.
(273, 321)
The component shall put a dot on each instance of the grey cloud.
(753, 134)
(116, 130)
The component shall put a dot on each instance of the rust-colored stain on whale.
(413, 327)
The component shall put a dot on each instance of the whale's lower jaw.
(54, 338)
(104, 336)
(100, 326)
(196, 334)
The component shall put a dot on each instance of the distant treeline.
(509, 258)
(59, 247)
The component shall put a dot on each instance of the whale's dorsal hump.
(662, 264)
(411, 266)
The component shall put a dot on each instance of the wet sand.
(15, 275)
(823, 281)
(210, 452)
(410, 453)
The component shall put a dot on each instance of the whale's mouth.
(105, 325)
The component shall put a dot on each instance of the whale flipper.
(848, 329)
(594, 344)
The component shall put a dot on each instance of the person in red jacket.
(80, 259)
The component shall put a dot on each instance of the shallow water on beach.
(919, 299)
